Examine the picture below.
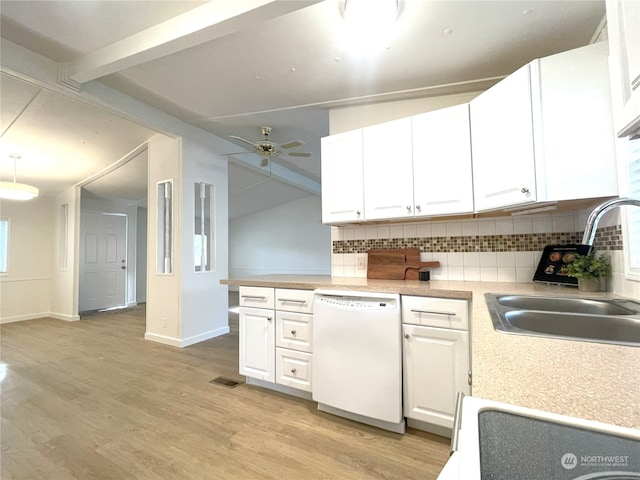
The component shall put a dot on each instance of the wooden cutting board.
(396, 264)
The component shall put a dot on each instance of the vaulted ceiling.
(232, 67)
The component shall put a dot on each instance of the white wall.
(64, 281)
(141, 255)
(350, 118)
(287, 239)
(25, 290)
(164, 290)
(205, 302)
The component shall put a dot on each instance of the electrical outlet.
(361, 265)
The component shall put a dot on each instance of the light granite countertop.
(588, 380)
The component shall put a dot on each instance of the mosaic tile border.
(607, 238)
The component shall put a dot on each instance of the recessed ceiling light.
(448, 31)
(526, 12)
(369, 23)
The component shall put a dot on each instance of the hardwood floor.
(94, 400)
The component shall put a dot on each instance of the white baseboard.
(181, 343)
(21, 318)
(279, 388)
(132, 304)
(62, 316)
(35, 316)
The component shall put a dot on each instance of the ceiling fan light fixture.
(17, 191)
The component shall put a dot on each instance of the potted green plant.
(590, 269)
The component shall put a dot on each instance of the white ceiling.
(231, 67)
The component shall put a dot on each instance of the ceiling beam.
(278, 172)
(208, 22)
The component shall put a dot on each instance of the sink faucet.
(598, 212)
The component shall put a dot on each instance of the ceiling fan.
(267, 149)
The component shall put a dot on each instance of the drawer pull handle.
(434, 312)
(293, 370)
(293, 332)
(254, 297)
(291, 300)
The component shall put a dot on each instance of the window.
(632, 214)
(4, 244)
(164, 233)
(203, 239)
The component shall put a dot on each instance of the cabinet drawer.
(293, 330)
(300, 301)
(435, 312)
(257, 297)
(293, 369)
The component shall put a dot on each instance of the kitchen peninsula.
(582, 379)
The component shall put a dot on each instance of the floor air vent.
(227, 382)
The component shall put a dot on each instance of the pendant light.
(14, 190)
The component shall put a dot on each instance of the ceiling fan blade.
(299, 154)
(295, 143)
(243, 140)
(237, 153)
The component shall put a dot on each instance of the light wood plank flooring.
(93, 400)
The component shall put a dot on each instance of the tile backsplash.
(499, 249)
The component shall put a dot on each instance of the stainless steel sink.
(614, 321)
(567, 304)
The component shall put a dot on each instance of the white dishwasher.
(357, 359)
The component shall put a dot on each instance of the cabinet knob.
(408, 208)
(293, 370)
(357, 212)
(524, 190)
(293, 332)
(406, 335)
(269, 319)
(417, 207)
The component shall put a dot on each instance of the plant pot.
(589, 284)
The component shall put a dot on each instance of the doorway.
(103, 261)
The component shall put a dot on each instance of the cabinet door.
(502, 144)
(388, 170)
(442, 180)
(436, 368)
(257, 343)
(623, 27)
(342, 187)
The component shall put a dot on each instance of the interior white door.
(103, 273)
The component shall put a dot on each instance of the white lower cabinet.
(436, 359)
(257, 343)
(276, 343)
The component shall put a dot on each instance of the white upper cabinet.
(388, 170)
(623, 26)
(545, 133)
(502, 144)
(342, 178)
(442, 180)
